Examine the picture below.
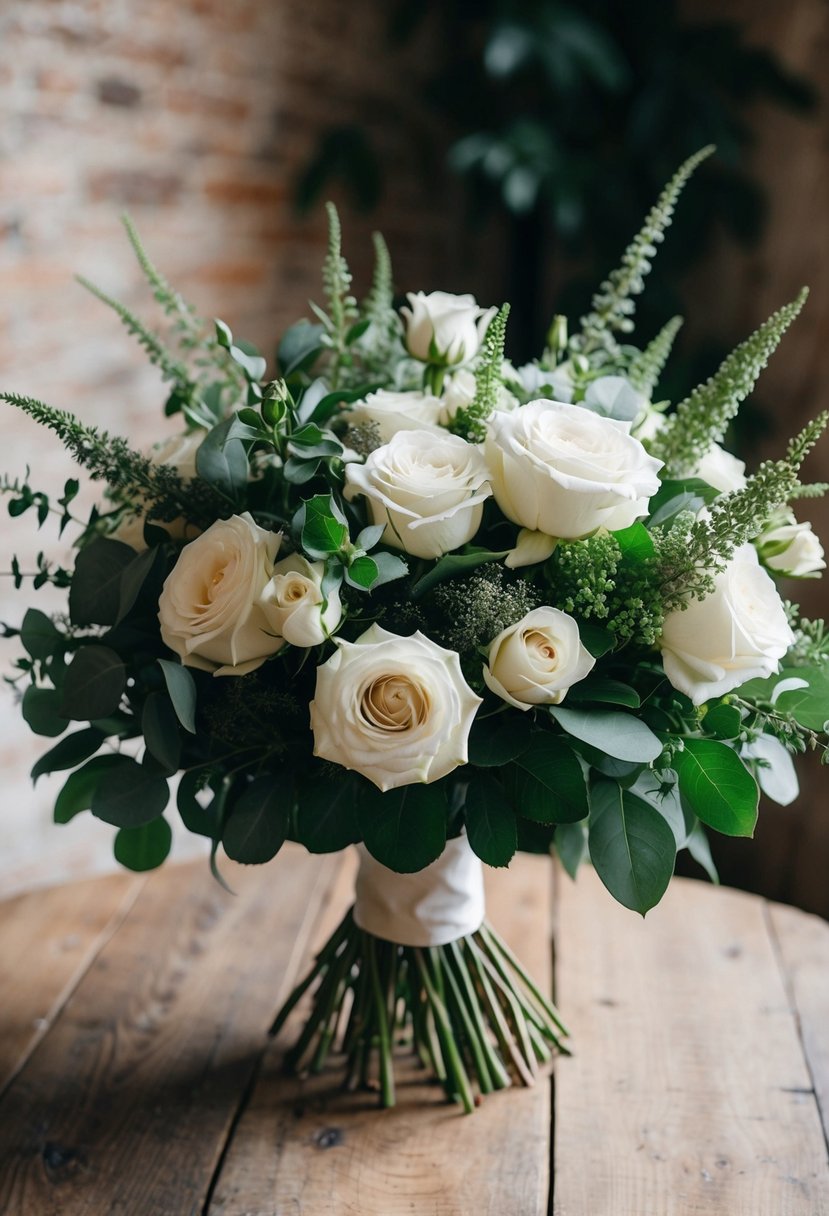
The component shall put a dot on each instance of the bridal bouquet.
(406, 596)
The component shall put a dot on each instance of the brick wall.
(195, 116)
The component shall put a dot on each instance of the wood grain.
(803, 944)
(688, 1094)
(48, 939)
(125, 1106)
(304, 1147)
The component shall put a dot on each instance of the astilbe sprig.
(470, 420)
(613, 304)
(702, 419)
(591, 580)
(692, 556)
(647, 365)
(341, 307)
(132, 474)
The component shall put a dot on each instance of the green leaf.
(299, 346)
(322, 526)
(453, 564)
(674, 497)
(808, 706)
(661, 791)
(326, 813)
(490, 821)
(71, 751)
(144, 847)
(182, 689)
(76, 793)
(405, 828)
(596, 638)
(389, 568)
(498, 738)
(600, 688)
(201, 820)
(370, 536)
(41, 710)
(700, 849)
(256, 828)
(631, 846)
(94, 684)
(617, 734)
(570, 843)
(159, 726)
(129, 795)
(310, 440)
(362, 573)
(95, 593)
(134, 576)
(717, 786)
(39, 635)
(635, 542)
(223, 462)
(298, 471)
(724, 721)
(546, 782)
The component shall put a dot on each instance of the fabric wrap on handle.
(435, 906)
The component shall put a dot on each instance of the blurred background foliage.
(567, 119)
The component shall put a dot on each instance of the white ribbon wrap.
(435, 906)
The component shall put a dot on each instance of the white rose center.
(394, 703)
(541, 649)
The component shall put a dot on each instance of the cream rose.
(459, 392)
(178, 453)
(445, 329)
(396, 709)
(293, 604)
(536, 661)
(738, 632)
(565, 471)
(792, 549)
(722, 470)
(392, 412)
(210, 610)
(428, 489)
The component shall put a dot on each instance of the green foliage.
(646, 366)
(145, 847)
(341, 305)
(94, 684)
(490, 820)
(257, 825)
(613, 304)
(470, 420)
(545, 782)
(129, 795)
(717, 786)
(404, 828)
(632, 847)
(467, 614)
(702, 419)
(623, 736)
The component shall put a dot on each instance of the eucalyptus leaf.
(94, 684)
(326, 813)
(676, 497)
(41, 711)
(145, 847)
(546, 781)
(570, 843)
(631, 846)
(76, 793)
(71, 751)
(129, 795)
(490, 820)
(717, 786)
(182, 689)
(159, 725)
(38, 634)
(620, 735)
(257, 825)
(223, 462)
(600, 688)
(453, 564)
(404, 828)
(95, 593)
(496, 738)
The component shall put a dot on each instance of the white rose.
(293, 603)
(393, 412)
(459, 392)
(535, 661)
(565, 471)
(427, 489)
(209, 608)
(738, 632)
(178, 453)
(396, 709)
(722, 470)
(446, 329)
(792, 549)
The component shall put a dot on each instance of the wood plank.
(126, 1104)
(304, 1146)
(48, 938)
(688, 1092)
(803, 944)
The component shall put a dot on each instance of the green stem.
(457, 1072)
(386, 1069)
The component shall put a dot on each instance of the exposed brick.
(134, 186)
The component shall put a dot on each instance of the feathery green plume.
(380, 299)
(132, 474)
(336, 279)
(470, 420)
(170, 367)
(813, 489)
(613, 303)
(690, 558)
(171, 301)
(702, 419)
(646, 367)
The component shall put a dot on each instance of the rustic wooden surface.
(136, 1077)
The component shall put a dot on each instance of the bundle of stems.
(468, 1009)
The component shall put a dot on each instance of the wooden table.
(136, 1078)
